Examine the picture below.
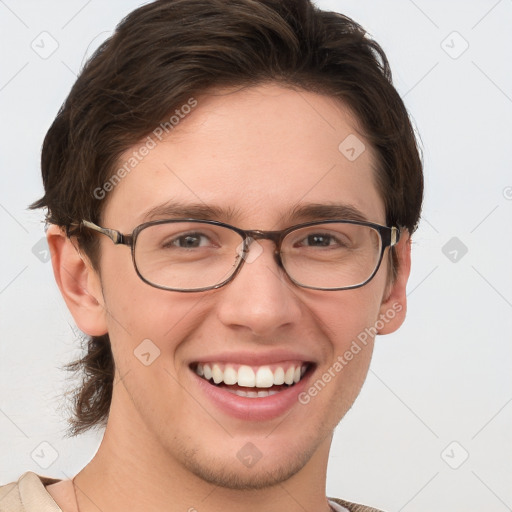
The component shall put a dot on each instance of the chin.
(264, 471)
(233, 475)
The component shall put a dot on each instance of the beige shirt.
(29, 494)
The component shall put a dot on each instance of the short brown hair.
(166, 52)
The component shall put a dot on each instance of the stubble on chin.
(232, 474)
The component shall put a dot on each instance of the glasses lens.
(331, 255)
(187, 255)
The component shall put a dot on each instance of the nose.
(260, 299)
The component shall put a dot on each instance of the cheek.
(347, 321)
(346, 315)
(164, 318)
(346, 324)
(138, 313)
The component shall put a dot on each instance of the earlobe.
(394, 304)
(78, 282)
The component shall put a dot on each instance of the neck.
(132, 472)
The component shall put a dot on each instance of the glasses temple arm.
(394, 236)
(116, 236)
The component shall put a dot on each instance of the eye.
(320, 240)
(188, 241)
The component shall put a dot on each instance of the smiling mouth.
(252, 381)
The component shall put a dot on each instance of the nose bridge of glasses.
(256, 234)
(274, 236)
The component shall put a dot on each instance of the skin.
(255, 153)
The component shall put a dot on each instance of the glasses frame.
(389, 236)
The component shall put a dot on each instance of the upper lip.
(254, 358)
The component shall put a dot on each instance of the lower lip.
(253, 409)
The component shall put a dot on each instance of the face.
(254, 156)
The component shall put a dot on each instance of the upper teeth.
(246, 376)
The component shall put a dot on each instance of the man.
(231, 190)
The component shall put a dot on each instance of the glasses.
(190, 255)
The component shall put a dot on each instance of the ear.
(394, 304)
(78, 282)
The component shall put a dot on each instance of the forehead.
(255, 156)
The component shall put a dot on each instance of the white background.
(443, 378)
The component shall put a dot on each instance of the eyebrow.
(316, 211)
(303, 212)
(173, 209)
